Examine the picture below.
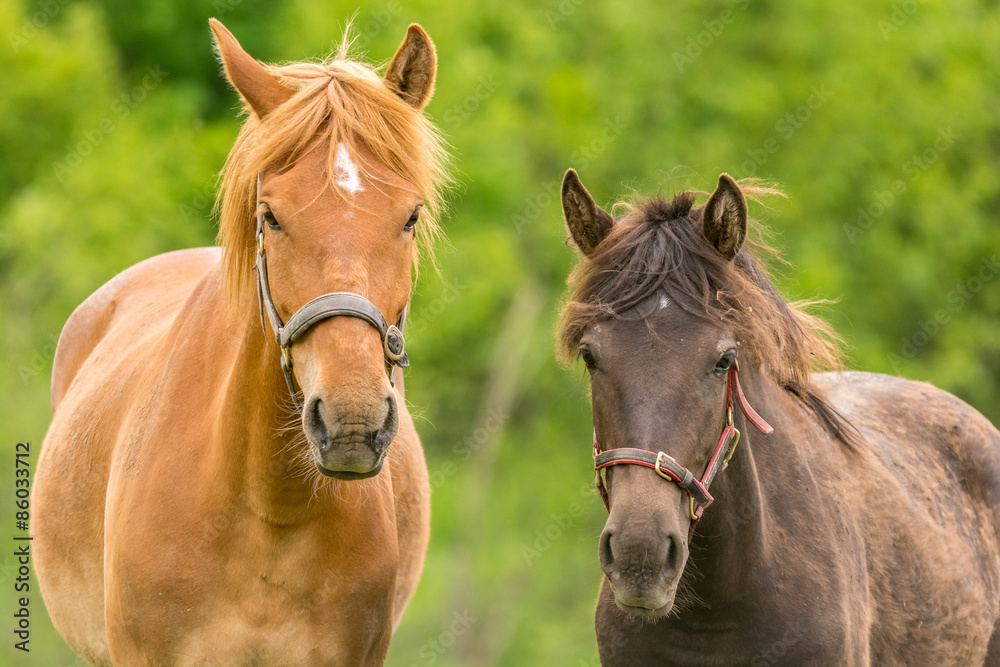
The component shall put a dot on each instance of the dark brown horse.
(864, 530)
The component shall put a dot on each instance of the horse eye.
(726, 361)
(413, 219)
(588, 358)
(269, 218)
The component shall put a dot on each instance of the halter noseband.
(666, 467)
(334, 304)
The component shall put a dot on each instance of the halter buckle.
(286, 357)
(659, 462)
(694, 517)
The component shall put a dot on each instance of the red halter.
(666, 467)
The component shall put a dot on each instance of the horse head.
(659, 369)
(338, 167)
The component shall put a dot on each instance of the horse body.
(863, 530)
(181, 538)
(180, 514)
(815, 555)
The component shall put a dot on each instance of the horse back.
(928, 438)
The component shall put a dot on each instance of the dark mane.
(658, 246)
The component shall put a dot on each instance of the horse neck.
(733, 546)
(262, 450)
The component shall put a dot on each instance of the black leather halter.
(334, 304)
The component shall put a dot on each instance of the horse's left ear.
(725, 217)
(261, 90)
(411, 72)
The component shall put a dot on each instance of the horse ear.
(411, 72)
(588, 223)
(261, 90)
(725, 217)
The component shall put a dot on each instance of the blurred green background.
(880, 120)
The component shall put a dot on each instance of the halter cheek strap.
(334, 304)
(666, 467)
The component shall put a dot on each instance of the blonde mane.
(336, 100)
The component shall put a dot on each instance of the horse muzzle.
(643, 573)
(346, 448)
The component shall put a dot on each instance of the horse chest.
(255, 595)
(752, 642)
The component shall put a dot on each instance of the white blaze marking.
(664, 301)
(345, 171)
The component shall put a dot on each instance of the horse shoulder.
(92, 320)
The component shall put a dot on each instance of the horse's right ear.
(588, 223)
(261, 90)
(411, 71)
(725, 217)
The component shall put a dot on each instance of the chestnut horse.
(187, 511)
(857, 520)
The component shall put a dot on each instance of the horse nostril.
(605, 554)
(381, 438)
(316, 426)
(375, 439)
(671, 563)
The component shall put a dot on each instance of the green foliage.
(878, 119)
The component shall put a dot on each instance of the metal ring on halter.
(393, 343)
(732, 447)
